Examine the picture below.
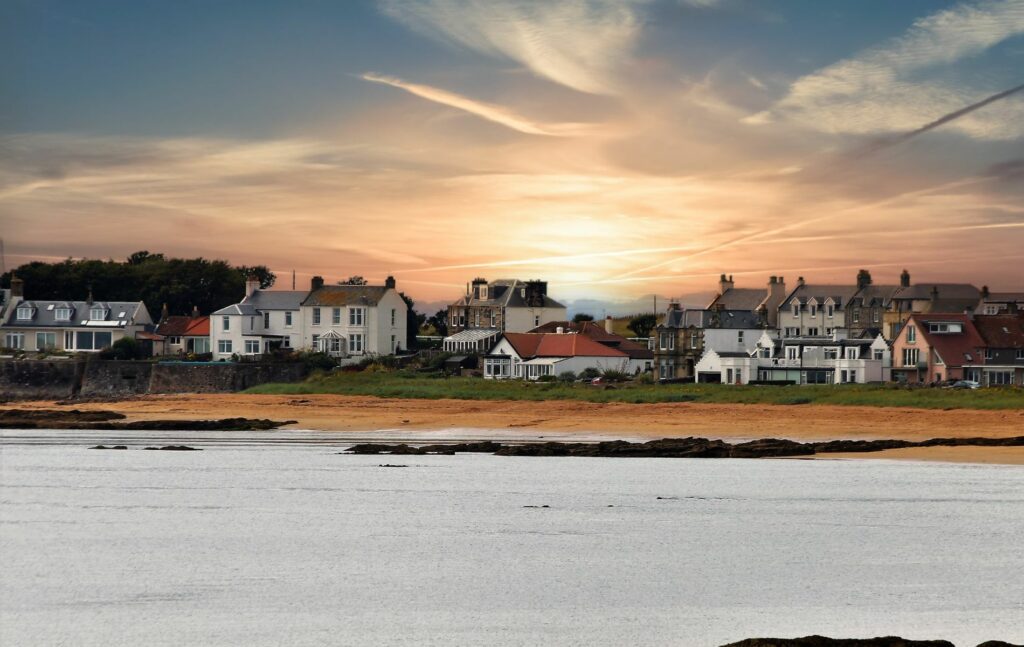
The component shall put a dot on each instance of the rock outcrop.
(109, 420)
(822, 641)
(678, 447)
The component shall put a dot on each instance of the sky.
(615, 148)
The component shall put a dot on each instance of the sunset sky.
(613, 148)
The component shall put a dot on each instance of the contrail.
(953, 116)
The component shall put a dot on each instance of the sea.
(279, 539)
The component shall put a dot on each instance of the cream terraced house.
(354, 320)
(261, 322)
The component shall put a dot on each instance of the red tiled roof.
(951, 347)
(555, 345)
(1001, 331)
(184, 327)
(595, 330)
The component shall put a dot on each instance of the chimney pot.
(389, 282)
(316, 283)
(608, 324)
(17, 287)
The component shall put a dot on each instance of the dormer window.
(796, 309)
(24, 313)
(62, 314)
(830, 310)
(97, 313)
(852, 352)
(483, 291)
(814, 309)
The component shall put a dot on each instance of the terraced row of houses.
(845, 333)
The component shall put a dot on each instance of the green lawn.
(403, 384)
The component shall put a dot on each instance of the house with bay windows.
(354, 320)
(815, 310)
(74, 326)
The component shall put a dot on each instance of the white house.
(354, 320)
(815, 310)
(532, 355)
(261, 321)
(75, 326)
(806, 360)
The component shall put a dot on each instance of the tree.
(413, 320)
(439, 321)
(863, 279)
(581, 317)
(353, 280)
(262, 274)
(643, 324)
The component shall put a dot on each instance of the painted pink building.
(935, 348)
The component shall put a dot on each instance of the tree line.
(181, 283)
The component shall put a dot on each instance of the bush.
(589, 373)
(124, 348)
(316, 361)
(546, 378)
(567, 376)
(613, 375)
(644, 378)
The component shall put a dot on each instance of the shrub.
(613, 375)
(316, 360)
(124, 348)
(567, 376)
(644, 378)
(546, 378)
(589, 373)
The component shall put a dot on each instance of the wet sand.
(614, 420)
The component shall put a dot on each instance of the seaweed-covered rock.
(822, 641)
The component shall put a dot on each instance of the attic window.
(483, 292)
(24, 313)
(942, 327)
(796, 309)
(62, 314)
(97, 313)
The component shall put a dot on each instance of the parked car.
(964, 384)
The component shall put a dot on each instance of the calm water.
(272, 545)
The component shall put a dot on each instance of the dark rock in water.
(104, 420)
(998, 643)
(111, 447)
(486, 447)
(53, 418)
(536, 506)
(391, 465)
(822, 641)
(176, 448)
(679, 447)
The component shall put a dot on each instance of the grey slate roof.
(875, 296)
(44, 313)
(840, 294)
(727, 319)
(741, 298)
(262, 300)
(504, 293)
(946, 291)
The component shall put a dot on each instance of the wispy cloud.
(576, 43)
(899, 86)
(489, 111)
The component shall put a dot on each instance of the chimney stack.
(724, 283)
(984, 292)
(316, 283)
(17, 287)
(608, 324)
(251, 284)
(88, 298)
(800, 281)
(905, 279)
(935, 293)
(195, 312)
(164, 313)
(389, 282)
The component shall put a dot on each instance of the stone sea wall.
(59, 379)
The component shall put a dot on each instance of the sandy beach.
(726, 421)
